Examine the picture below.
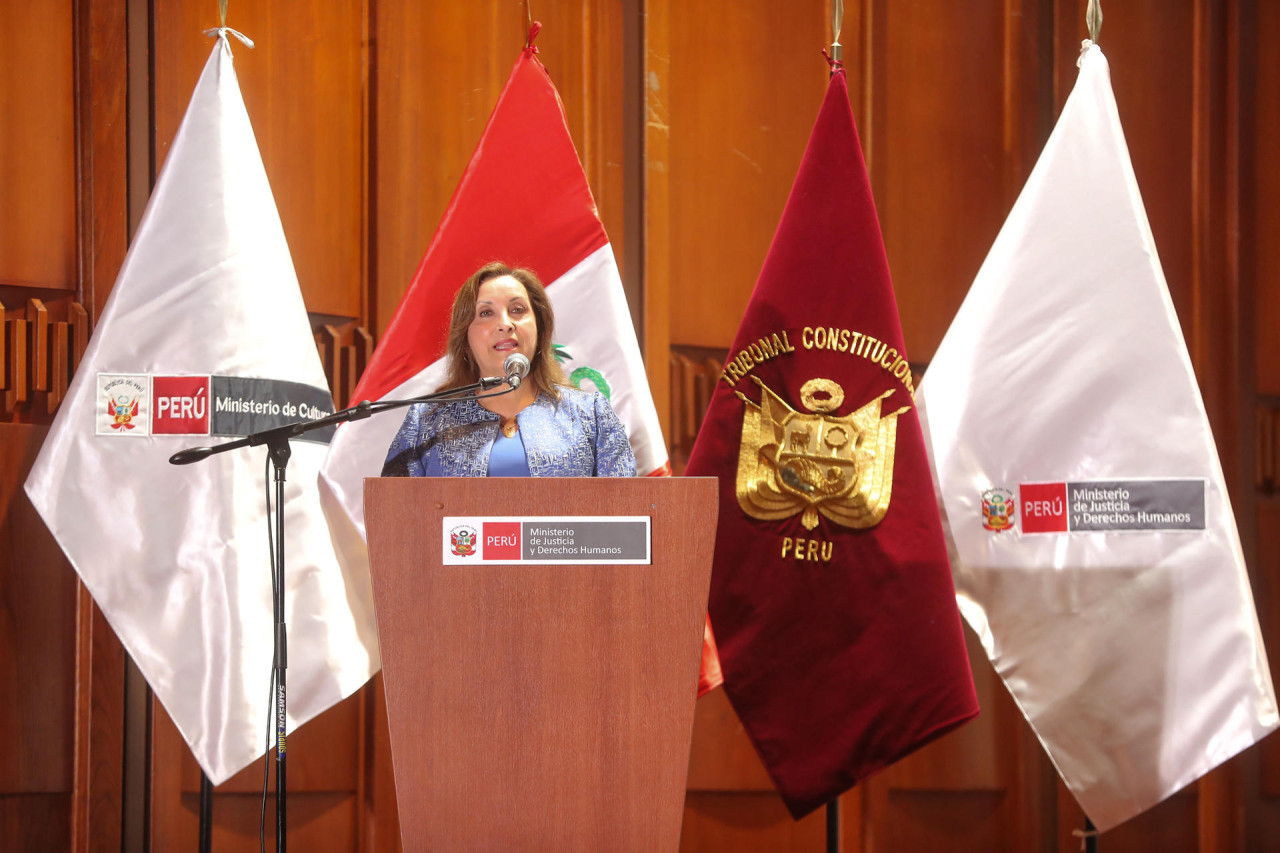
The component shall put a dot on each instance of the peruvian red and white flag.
(1094, 548)
(206, 338)
(523, 200)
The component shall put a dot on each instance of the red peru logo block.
(1044, 507)
(180, 405)
(501, 540)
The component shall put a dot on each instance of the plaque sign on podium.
(539, 706)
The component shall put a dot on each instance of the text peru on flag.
(1094, 548)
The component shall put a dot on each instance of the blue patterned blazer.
(580, 436)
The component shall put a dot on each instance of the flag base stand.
(278, 450)
(833, 826)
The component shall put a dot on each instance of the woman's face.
(503, 323)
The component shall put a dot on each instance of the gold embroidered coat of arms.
(814, 462)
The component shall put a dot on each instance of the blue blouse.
(507, 458)
(580, 436)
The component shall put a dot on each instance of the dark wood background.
(690, 119)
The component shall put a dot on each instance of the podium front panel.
(544, 707)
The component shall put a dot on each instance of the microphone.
(191, 454)
(516, 367)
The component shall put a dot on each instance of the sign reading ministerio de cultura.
(140, 404)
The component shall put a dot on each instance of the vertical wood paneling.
(1267, 550)
(98, 795)
(37, 145)
(303, 87)
(37, 650)
(742, 92)
(947, 113)
(581, 45)
(101, 68)
(322, 782)
(747, 823)
(381, 830)
(655, 218)
(437, 76)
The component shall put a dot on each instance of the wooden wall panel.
(746, 822)
(37, 649)
(1267, 559)
(303, 87)
(102, 68)
(738, 94)
(581, 46)
(37, 145)
(953, 92)
(1263, 197)
(324, 777)
(36, 822)
(438, 73)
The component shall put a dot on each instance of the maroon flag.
(831, 595)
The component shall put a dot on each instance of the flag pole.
(835, 60)
(837, 21)
(1092, 20)
(206, 813)
(205, 842)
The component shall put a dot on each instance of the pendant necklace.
(509, 428)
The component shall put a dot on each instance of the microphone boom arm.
(358, 412)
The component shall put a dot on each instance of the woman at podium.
(545, 428)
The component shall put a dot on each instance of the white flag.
(205, 335)
(1095, 552)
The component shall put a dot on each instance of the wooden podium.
(535, 706)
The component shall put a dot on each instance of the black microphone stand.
(277, 442)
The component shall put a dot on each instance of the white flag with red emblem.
(206, 337)
(1095, 551)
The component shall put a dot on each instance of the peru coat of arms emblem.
(814, 462)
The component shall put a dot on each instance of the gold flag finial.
(1093, 19)
(837, 21)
